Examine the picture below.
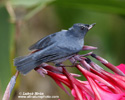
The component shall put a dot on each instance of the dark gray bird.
(55, 48)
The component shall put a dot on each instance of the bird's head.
(81, 29)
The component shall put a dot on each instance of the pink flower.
(100, 85)
(122, 67)
(106, 90)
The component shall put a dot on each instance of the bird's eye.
(82, 28)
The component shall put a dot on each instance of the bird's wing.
(53, 53)
(43, 43)
(47, 41)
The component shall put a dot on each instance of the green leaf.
(36, 6)
(6, 38)
(27, 3)
(110, 6)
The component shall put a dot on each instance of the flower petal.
(122, 67)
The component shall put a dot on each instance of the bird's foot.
(59, 65)
(62, 65)
(74, 60)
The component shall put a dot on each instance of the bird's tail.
(25, 64)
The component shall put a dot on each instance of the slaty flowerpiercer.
(56, 48)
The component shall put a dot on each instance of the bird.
(56, 48)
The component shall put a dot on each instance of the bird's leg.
(72, 60)
(59, 65)
(62, 65)
(78, 57)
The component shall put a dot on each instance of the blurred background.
(23, 22)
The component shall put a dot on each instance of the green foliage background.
(23, 22)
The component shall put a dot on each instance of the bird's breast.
(75, 45)
(81, 43)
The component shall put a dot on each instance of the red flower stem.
(117, 76)
(10, 86)
(60, 77)
(72, 82)
(51, 68)
(78, 92)
(102, 75)
(119, 83)
(66, 81)
(68, 75)
(86, 54)
(95, 66)
(17, 73)
(107, 64)
(85, 65)
(41, 71)
(85, 72)
(93, 86)
(85, 47)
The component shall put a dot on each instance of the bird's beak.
(91, 26)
